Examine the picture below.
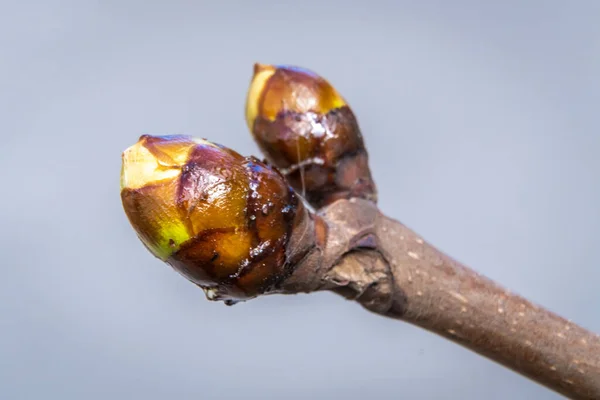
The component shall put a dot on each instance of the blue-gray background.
(483, 127)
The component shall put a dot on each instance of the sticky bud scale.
(307, 129)
(220, 219)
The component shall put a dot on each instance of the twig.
(392, 271)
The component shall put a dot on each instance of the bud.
(307, 130)
(220, 219)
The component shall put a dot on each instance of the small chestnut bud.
(220, 219)
(307, 130)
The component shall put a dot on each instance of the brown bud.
(220, 219)
(305, 128)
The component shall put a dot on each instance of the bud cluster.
(231, 224)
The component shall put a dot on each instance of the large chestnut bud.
(222, 220)
(307, 130)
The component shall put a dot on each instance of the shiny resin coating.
(220, 219)
(305, 128)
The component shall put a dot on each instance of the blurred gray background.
(483, 127)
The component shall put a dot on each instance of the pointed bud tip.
(153, 159)
(277, 88)
(149, 174)
(262, 73)
(259, 67)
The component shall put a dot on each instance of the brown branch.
(365, 256)
(259, 238)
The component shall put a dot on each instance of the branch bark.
(354, 250)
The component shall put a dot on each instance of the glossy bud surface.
(305, 128)
(220, 219)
